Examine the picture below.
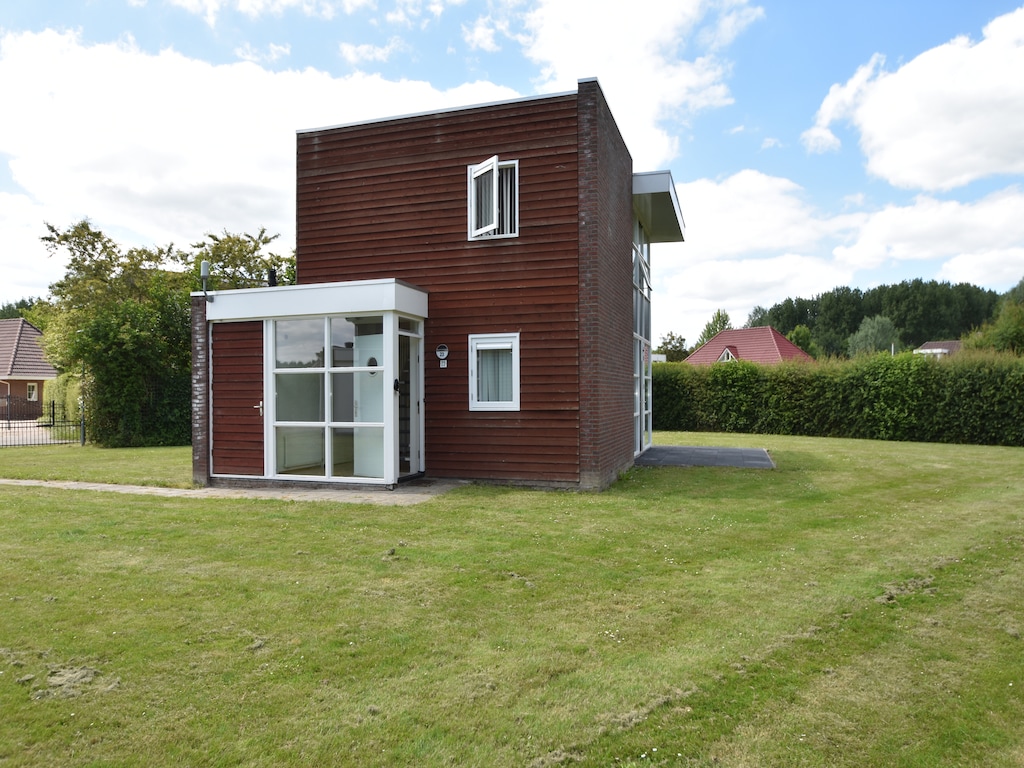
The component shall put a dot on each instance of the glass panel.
(357, 397)
(300, 451)
(494, 375)
(343, 335)
(408, 324)
(300, 396)
(358, 452)
(299, 343)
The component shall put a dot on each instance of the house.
(756, 345)
(23, 370)
(473, 301)
(938, 349)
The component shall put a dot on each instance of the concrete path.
(405, 494)
(415, 491)
(701, 456)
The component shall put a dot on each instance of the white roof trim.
(317, 299)
(657, 206)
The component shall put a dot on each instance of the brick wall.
(200, 394)
(606, 298)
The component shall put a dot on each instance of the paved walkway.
(415, 491)
(405, 494)
(705, 456)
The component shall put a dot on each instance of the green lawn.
(862, 605)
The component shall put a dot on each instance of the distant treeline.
(921, 311)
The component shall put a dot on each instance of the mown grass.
(862, 605)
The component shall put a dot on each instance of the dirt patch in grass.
(60, 681)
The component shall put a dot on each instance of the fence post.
(81, 410)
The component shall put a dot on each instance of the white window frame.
(479, 342)
(499, 217)
(31, 391)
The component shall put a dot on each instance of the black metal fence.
(26, 422)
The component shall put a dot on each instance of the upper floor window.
(493, 194)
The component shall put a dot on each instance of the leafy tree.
(718, 322)
(1005, 333)
(14, 310)
(122, 317)
(673, 347)
(238, 261)
(801, 337)
(876, 334)
(758, 317)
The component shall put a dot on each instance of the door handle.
(260, 406)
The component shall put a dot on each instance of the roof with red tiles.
(21, 353)
(756, 345)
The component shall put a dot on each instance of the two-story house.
(473, 301)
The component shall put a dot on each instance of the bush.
(972, 398)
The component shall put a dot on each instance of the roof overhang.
(317, 299)
(657, 206)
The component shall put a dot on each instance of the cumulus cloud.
(932, 229)
(950, 116)
(568, 45)
(149, 167)
(752, 239)
(357, 54)
(481, 35)
(270, 54)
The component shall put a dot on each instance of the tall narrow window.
(494, 372)
(493, 199)
(32, 391)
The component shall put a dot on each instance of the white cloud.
(210, 10)
(932, 229)
(356, 54)
(770, 143)
(272, 53)
(752, 240)
(635, 52)
(839, 104)
(480, 36)
(154, 169)
(944, 119)
(750, 213)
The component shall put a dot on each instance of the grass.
(862, 605)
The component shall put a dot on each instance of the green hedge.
(970, 398)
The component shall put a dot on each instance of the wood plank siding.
(389, 200)
(236, 392)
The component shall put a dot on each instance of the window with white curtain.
(494, 372)
(493, 199)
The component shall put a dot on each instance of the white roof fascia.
(357, 296)
(657, 206)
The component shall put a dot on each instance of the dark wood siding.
(389, 199)
(236, 392)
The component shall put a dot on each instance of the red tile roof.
(756, 345)
(21, 356)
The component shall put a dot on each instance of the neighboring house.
(938, 348)
(23, 370)
(473, 301)
(756, 345)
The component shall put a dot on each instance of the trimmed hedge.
(971, 398)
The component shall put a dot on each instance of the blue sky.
(813, 144)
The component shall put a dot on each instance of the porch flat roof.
(317, 299)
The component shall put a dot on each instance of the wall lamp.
(204, 274)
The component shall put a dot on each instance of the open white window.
(494, 372)
(493, 199)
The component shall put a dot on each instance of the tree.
(673, 348)
(876, 334)
(801, 337)
(14, 310)
(122, 317)
(718, 322)
(758, 317)
(238, 261)
(1005, 333)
